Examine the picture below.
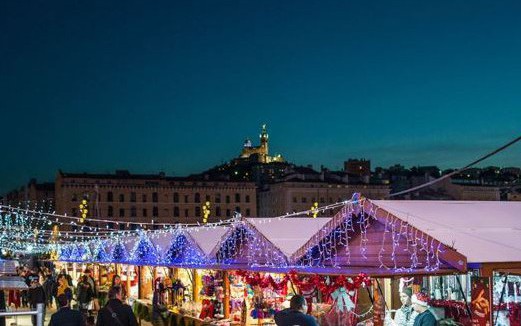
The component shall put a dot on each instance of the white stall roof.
(8, 267)
(162, 240)
(288, 234)
(12, 283)
(483, 231)
(207, 238)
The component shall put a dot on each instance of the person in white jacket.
(406, 315)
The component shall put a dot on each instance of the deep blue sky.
(177, 86)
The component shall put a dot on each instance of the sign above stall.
(481, 303)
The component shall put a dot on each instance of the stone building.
(297, 195)
(152, 198)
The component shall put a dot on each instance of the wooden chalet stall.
(243, 272)
(488, 233)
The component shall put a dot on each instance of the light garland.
(341, 244)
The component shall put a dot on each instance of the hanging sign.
(481, 301)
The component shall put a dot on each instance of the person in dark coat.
(66, 316)
(36, 295)
(85, 295)
(295, 314)
(420, 304)
(48, 287)
(115, 312)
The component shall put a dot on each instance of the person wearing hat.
(406, 315)
(420, 304)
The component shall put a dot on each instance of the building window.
(110, 196)
(322, 200)
(217, 198)
(294, 199)
(176, 197)
(237, 209)
(304, 199)
(176, 211)
(186, 198)
(247, 212)
(197, 211)
(197, 197)
(144, 198)
(133, 211)
(217, 211)
(145, 213)
(228, 213)
(186, 212)
(122, 226)
(121, 198)
(207, 197)
(247, 198)
(227, 199)
(74, 197)
(121, 212)
(237, 198)
(110, 211)
(155, 211)
(154, 197)
(133, 197)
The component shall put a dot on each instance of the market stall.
(488, 234)
(243, 272)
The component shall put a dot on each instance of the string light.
(314, 209)
(84, 209)
(402, 248)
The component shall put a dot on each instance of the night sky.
(177, 86)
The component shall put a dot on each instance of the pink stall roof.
(483, 231)
(288, 234)
(375, 251)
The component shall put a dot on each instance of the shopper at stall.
(116, 281)
(62, 287)
(36, 295)
(63, 273)
(85, 295)
(115, 312)
(406, 315)
(65, 316)
(48, 286)
(295, 314)
(420, 304)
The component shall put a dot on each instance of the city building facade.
(152, 198)
(296, 196)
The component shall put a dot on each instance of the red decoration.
(457, 310)
(309, 282)
(514, 312)
(255, 279)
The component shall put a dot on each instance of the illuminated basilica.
(259, 153)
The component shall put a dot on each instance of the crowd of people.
(49, 288)
(57, 290)
(414, 312)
